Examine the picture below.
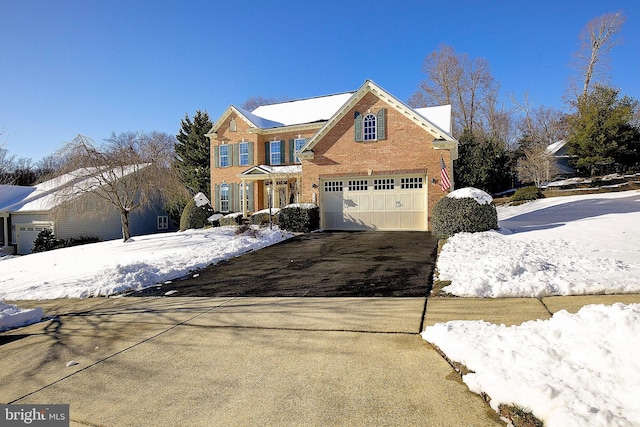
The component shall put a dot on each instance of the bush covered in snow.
(300, 218)
(526, 194)
(261, 218)
(194, 216)
(231, 219)
(465, 210)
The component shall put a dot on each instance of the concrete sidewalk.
(252, 361)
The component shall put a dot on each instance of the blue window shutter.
(282, 153)
(267, 151)
(292, 151)
(357, 126)
(216, 156)
(216, 197)
(250, 207)
(250, 146)
(380, 123)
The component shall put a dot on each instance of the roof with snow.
(310, 110)
(49, 194)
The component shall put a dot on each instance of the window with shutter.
(369, 127)
(381, 125)
(357, 126)
(243, 153)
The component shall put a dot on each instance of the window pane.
(331, 186)
(244, 153)
(224, 156)
(369, 127)
(224, 198)
(384, 184)
(298, 144)
(275, 152)
(358, 185)
(411, 183)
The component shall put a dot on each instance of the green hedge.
(194, 216)
(527, 193)
(300, 218)
(453, 215)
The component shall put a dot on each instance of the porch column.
(244, 199)
(298, 189)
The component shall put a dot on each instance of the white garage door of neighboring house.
(27, 233)
(396, 202)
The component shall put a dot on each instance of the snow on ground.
(570, 245)
(12, 316)
(573, 369)
(578, 369)
(113, 267)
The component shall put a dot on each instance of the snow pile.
(12, 316)
(471, 193)
(571, 370)
(113, 267)
(558, 246)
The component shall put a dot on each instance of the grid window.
(224, 198)
(384, 184)
(163, 222)
(411, 183)
(369, 127)
(358, 185)
(298, 143)
(224, 156)
(274, 153)
(244, 153)
(331, 186)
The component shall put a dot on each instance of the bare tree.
(539, 126)
(258, 101)
(131, 171)
(463, 82)
(536, 166)
(597, 39)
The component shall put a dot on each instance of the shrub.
(231, 219)
(46, 241)
(527, 193)
(194, 216)
(455, 215)
(261, 218)
(300, 218)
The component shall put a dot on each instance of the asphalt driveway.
(326, 264)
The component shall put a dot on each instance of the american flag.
(444, 176)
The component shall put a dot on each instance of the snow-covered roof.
(49, 194)
(268, 169)
(259, 122)
(12, 194)
(310, 110)
(439, 116)
(554, 148)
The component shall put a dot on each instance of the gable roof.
(303, 111)
(444, 140)
(49, 194)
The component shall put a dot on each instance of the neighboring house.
(365, 158)
(26, 211)
(559, 153)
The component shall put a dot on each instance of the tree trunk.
(124, 220)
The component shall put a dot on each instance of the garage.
(26, 234)
(396, 202)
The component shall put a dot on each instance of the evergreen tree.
(604, 137)
(482, 163)
(192, 153)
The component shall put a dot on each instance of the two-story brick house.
(365, 158)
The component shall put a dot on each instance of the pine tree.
(604, 137)
(192, 152)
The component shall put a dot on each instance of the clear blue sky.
(97, 67)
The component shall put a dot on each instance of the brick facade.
(408, 148)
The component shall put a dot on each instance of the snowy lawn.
(573, 369)
(113, 267)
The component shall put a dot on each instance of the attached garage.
(396, 202)
(26, 234)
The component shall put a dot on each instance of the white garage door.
(396, 202)
(27, 233)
